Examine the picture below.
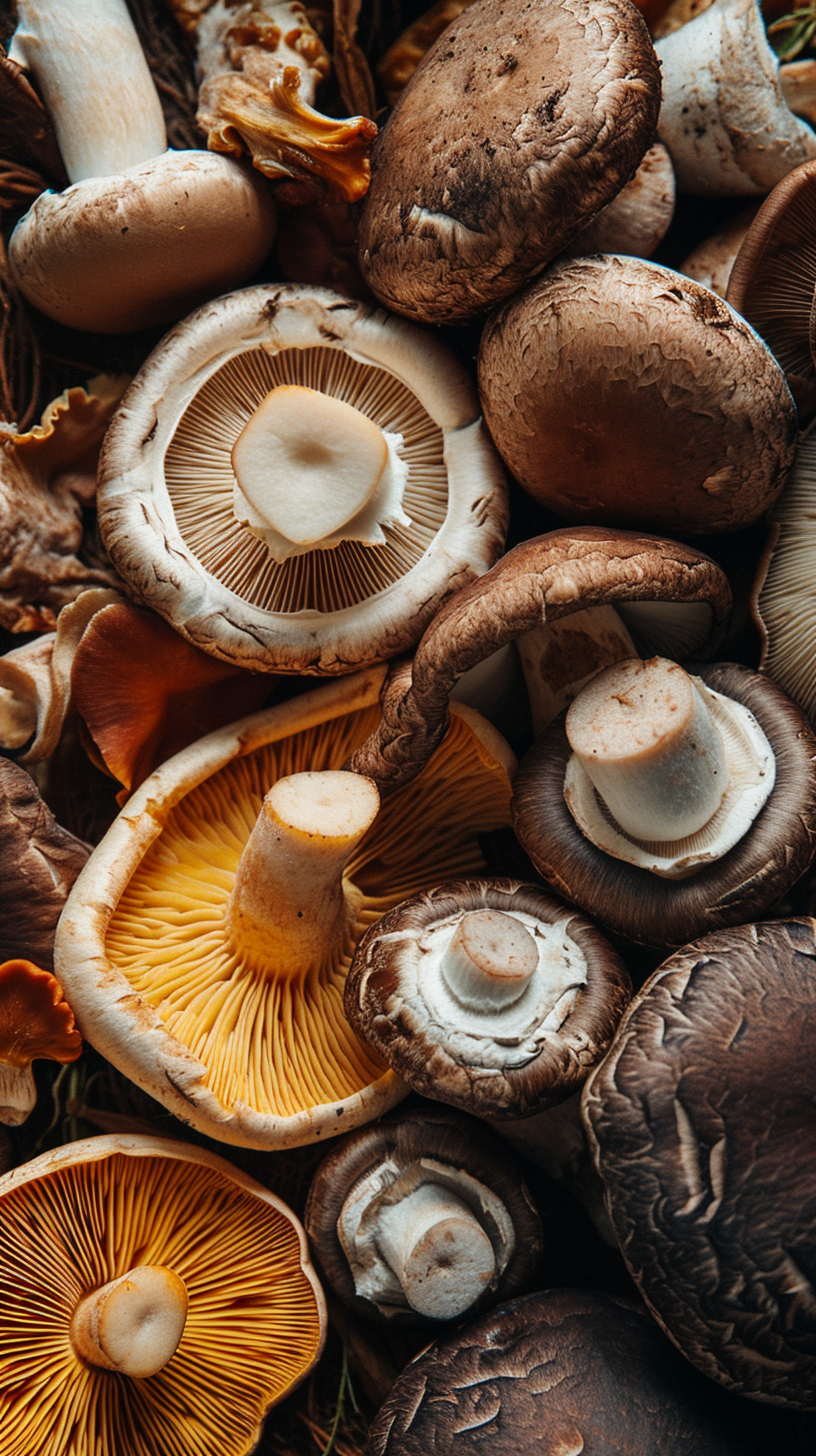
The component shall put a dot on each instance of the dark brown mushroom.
(423, 1216)
(489, 995)
(704, 1131)
(38, 866)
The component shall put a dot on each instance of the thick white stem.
(559, 657)
(288, 903)
(133, 1324)
(645, 737)
(438, 1250)
(490, 960)
(18, 1093)
(95, 82)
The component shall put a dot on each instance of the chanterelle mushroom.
(155, 1300)
(35, 1021)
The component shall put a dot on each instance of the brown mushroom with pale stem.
(35, 1021)
(668, 804)
(205, 951)
(170, 1306)
(487, 994)
(423, 1216)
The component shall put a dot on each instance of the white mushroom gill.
(664, 773)
(132, 1324)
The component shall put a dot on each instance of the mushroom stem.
(560, 655)
(95, 82)
(133, 1324)
(645, 737)
(490, 960)
(288, 904)
(438, 1250)
(18, 1093)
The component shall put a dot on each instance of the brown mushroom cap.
(38, 866)
(493, 1061)
(703, 1128)
(618, 390)
(642, 906)
(446, 1145)
(35, 1019)
(520, 124)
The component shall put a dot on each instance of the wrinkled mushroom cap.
(39, 863)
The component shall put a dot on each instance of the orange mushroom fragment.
(35, 1021)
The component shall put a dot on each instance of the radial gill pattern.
(787, 599)
(200, 480)
(281, 1043)
(253, 1326)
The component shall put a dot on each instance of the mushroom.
(35, 1021)
(296, 482)
(520, 124)
(39, 862)
(783, 589)
(710, 263)
(618, 390)
(156, 1299)
(487, 994)
(702, 1127)
(422, 1216)
(563, 1371)
(205, 951)
(638, 218)
(142, 233)
(671, 805)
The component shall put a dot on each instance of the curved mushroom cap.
(703, 1128)
(520, 124)
(564, 1371)
(643, 906)
(379, 1196)
(105, 1207)
(239, 1034)
(617, 390)
(782, 596)
(39, 863)
(180, 528)
(637, 219)
(35, 1021)
(487, 994)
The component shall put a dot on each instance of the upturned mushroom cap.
(210, 552)
(617, 390)
(145, 1233)
(641, 905)
(701, 1119)
(391, 1204)
(520, 124)
(564, 1371)
(487, 994)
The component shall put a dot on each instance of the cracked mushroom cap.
(296, 482)
(487, 994)
(520, 124)
(423, 1216)
(702, 1124)
(617, 390)
(156, 1254)
(565, 1371)
(206, 949)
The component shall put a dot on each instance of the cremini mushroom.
(296, 481)
(490, 995)
(35, 1021)
(39, 861)
(156, 1299)
(671, 804)
(205, 951)
(423, 1216)
(142, 233)
(702, 1126)
(617, 390)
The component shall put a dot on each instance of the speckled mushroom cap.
(388, 1162)
(441, 1031)
(617, 390)
(703, 1128)
(564, 1371)
(103, 1209)
(167, 483)
(642, 906)
(520, 124)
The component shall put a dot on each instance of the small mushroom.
(423, 1216)
(156, 1300)
(35, 1021)
(487, 994)
(710, 263)
(39, 862)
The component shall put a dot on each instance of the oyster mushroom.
(35, 1021)
(220, 493)
(38, 864)
(422, 1216)
(170, 1306)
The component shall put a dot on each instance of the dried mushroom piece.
(702, 1124)
(39, 862)
(35, 1021)
(30, 155)
(157, 1255)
